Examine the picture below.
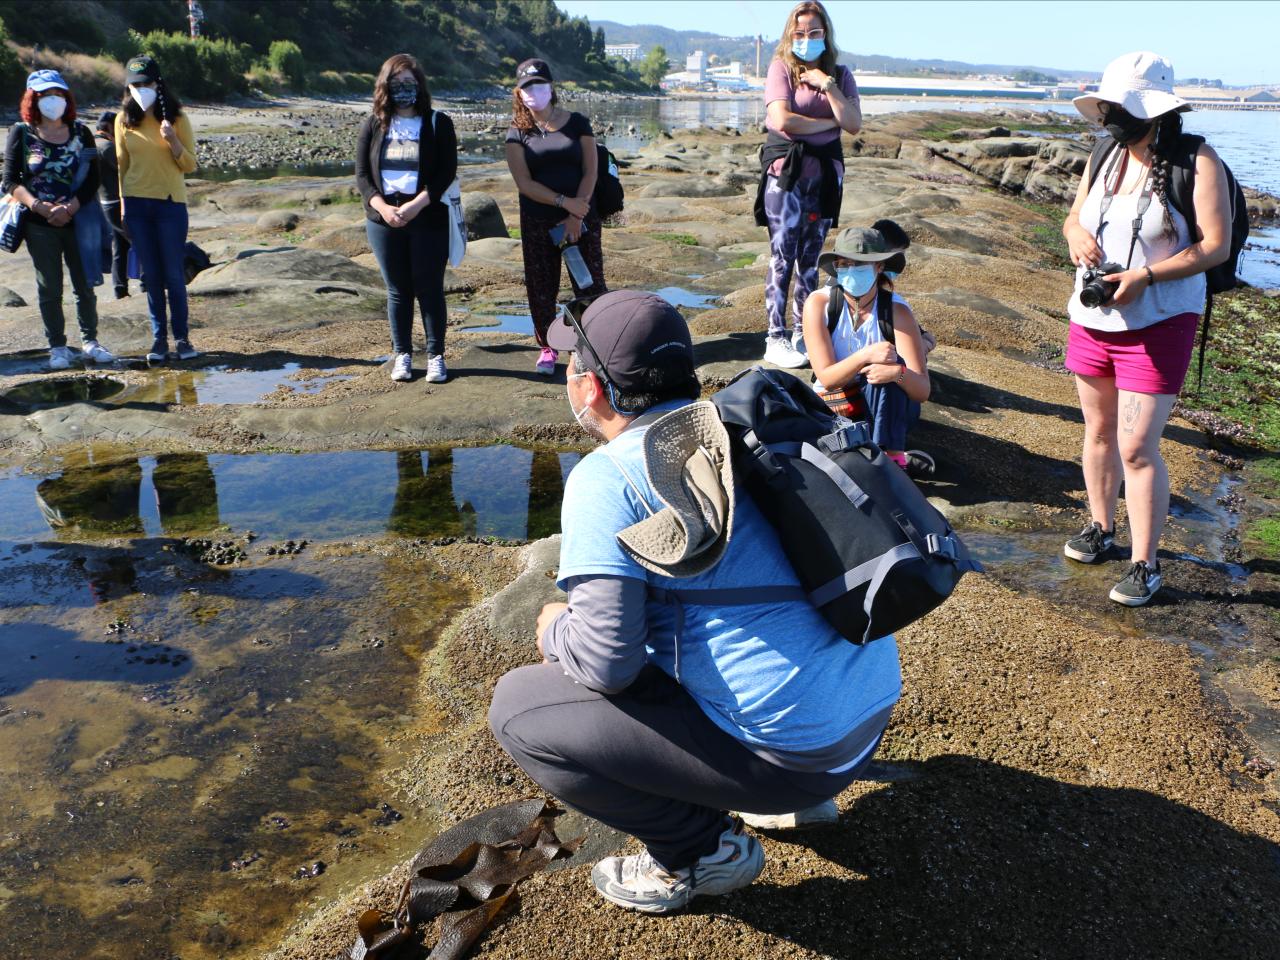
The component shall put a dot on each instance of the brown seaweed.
(464, 879)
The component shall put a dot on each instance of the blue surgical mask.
(808, 50)
(856, 281)
(891, 274)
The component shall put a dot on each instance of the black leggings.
(412, 259)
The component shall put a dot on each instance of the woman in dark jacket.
(51, 168)
(406, 158)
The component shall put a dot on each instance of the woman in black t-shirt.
(552, 156)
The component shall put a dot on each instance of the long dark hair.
(522, 116)
(167, 105)
(384, 108)
(826, 62)
(1163, 145)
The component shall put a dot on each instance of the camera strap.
(1144, 200)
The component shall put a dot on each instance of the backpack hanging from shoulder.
(1182, 182)
(608, 194)
(884, 310)
(871, 553)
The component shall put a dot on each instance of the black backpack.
(871, 553)
(1182, 184)
(608, 193)
(194, 260)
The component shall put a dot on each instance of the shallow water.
(221, 384)
(500, 491)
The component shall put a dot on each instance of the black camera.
(1096, 292)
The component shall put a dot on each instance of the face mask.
(536, 96)
(857, 280)
(808, 50)
(586, 417)
(891, 274)
(1124, 127)
(145, 97)
(52, 107)
(404, 94)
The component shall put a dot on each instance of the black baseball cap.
(627, 333)
(532, 71)
(142, 69)
(107, 121)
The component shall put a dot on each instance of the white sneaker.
(97, 352)
(780, 352)
(402, 367)
(822, 813)
(640, 883)
(61, 358)
(436, 372)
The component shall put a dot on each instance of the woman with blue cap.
(51, 168)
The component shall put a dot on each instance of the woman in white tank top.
(1130, 352)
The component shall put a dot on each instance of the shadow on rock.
(975, 859)
(31, 652)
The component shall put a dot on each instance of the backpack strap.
(835, 305)
(884, 315)
(1098, 158)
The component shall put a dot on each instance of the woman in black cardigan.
(406, 158)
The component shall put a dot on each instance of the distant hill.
(680, 43)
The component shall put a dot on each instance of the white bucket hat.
(1141, 82)
(688, 461)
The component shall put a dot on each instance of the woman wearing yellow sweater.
(155, 149)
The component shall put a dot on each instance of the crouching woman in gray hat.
(686, 677)
(868, 352)
(1133, 323)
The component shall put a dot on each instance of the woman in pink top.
(809, 99)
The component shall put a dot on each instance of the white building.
(696, 64)
(627, 51)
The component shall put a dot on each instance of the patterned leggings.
(796, 234)
(542, 268)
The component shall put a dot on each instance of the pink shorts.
(1151, 360)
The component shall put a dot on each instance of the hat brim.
(826, 261)
(133, 78)
(661, 542)
(1143, 104)
(528, 81)
(49, 85)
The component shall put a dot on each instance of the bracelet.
(560, 200)
(1151, 277)
(901, 373)
(831, 82)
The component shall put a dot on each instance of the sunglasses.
(566, 333)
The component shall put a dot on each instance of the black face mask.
(1124, 127)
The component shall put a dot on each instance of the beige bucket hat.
(1141, 82)
(687, 459)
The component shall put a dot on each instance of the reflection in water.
(499, 491)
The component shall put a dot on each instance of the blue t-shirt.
(773, 675)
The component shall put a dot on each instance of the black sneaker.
(185, 350)
(1138, 586)
(1091, 544)
(159, 351)
(920, 465)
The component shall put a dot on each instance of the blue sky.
(1232, 40)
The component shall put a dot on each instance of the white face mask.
(52, 108)
(536, 96)
(586, 417)
(144, 97)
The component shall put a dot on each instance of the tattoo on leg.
(1132, 410)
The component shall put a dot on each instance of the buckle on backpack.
(846, 438)
(944, 547)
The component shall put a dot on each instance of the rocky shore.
(1061, 779)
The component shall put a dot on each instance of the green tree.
(285, 58)
(12, 73)
(654, 66)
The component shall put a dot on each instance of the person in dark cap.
(658, 706)
(155, 150)
(551, 153)
(104, 137)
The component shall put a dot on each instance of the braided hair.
(1168, 134)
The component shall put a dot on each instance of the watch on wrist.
(1151, 277)
(560, 200)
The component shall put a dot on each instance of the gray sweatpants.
(646, 761)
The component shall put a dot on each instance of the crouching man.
(687, 676)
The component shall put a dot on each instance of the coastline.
(1060, 779)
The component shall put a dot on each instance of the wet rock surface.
(1068, 777)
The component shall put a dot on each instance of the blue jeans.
(891, 414)
(412, 259)
(158, 231)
